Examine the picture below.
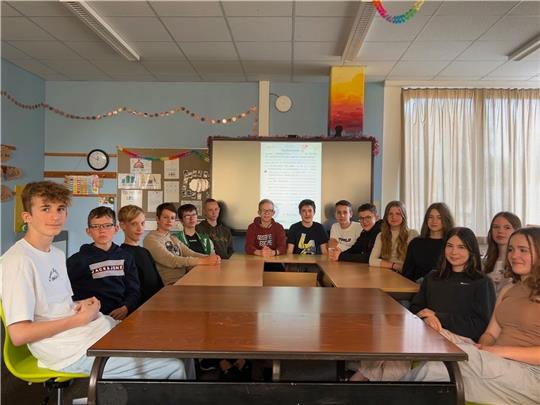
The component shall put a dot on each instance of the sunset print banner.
(346, 106)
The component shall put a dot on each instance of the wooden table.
(275, 323)
(247, 270)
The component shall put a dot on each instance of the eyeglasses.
(267, 211)
(194, 215)
(100, 226)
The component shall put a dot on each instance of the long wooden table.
(278, 323)
(247, 270)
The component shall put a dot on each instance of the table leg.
(95, 376)
(455, 376)
(276, 370)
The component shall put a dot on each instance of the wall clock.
(97, 159)
(283, 103)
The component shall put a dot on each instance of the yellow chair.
(20, 362)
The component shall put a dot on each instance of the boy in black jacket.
(103, 269)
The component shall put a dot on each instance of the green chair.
(20, 362)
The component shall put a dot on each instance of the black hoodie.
(360, 251)
(111, 276)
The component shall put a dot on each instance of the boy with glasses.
(371, 226)
(198, 242)
(265, 237)
(103, 269)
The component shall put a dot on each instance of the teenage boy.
(198, 242)
(219, 233)
(371, 226)
(172, 257)
(132, 221)
(265, 237)
(36, 298)
(103, 269)
(344, 233)
(307, 237)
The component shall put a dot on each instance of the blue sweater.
(111, 276)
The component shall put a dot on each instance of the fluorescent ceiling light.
(93, 20)
(526, 49)
(362, 22)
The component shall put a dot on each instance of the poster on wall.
(154, 199)
(139, 165)
(171, 169)
(131, 197)
(346, 104)
(171, 191)
(142, 181)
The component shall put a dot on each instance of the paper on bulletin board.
(137, 165)
(150, 225)
(171, 191)
(131, 197)
(143, 181)
(154, 198)
(171, 169)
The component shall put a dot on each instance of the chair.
(20, 362)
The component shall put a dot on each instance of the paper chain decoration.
(398, 19)
(136, 113)
(201, 155)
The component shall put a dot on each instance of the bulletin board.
(149, 182)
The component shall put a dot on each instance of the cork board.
(148, 183)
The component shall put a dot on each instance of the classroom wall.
(23, 129)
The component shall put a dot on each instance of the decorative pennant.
(198, 153)
(398, 19)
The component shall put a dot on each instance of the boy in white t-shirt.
(344, 233)
(36, 297)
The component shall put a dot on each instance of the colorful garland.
(136, 113)
(200, 154)
(398, 19)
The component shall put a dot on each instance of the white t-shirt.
(345, 237)
(34, 286)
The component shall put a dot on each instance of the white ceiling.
(237, 41)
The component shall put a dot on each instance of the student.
(172, 257)
(132, 220)
(360, 251)
(391, 244)
(504, 367)
(198, 242)
(457, 296)
(103, 269)
(219, 234)
(502, 226)
(307, 237)
(36, 298)
(344, 233)
(265, 237)
(424, 252)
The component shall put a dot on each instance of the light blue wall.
(307, 117)
(373, 126)
(23, 129)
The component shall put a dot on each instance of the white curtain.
(477, 150)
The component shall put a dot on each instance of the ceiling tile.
(169, 67)
(261, 28)
(133, 29)
(209, 50)
(223, 67)
(75, 67)
(273, 77)
(505, 30)
(158, 50)
(451, 28)
(178, 78)
(122, 8)
(8, 11)
(133, 77)
(187, 8)
(326, 8)
(264, 50)
(381, 30)
(11, 52)
(311, 69)
(508, 78)
(66, 28)
(35, 67)
(46, 49)
(322, 29)
(267, 67)
(536, 79)
(258, 8)
(521, 68)
(469, 68)
(94, 50)
(488, 50)
(382, 50)
(197, 29)
(224, 78)
(418, 69)
(88, 76)
(54, 77)
(41, 8)
(375, 68)
(123, 67)
(435, 50)
(20, 28)
(317, 51)
(528, 8)
(463, 8)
